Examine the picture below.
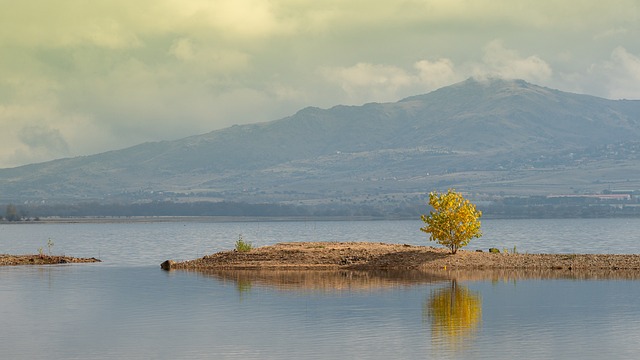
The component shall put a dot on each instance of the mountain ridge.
(496, 127)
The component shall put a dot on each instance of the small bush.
(242, 245)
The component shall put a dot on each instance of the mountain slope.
(480, 130)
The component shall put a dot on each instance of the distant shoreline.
(219, 219)
(204, 219)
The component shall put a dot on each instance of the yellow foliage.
(454, 220)
(455, 313)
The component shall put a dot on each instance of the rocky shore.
(382, 256)
(11, 260)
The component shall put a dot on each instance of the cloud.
(437, 73)
(183, 49)
(499, 61)
(376, 82)
(610, 33)
(40, 137)
(107, 74)
(28, 134)
(364, 82)
(369, 81)
(628, 65)
(236, 18)
(208, 58)
(620, 74)
(68, 23)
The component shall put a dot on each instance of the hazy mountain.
(478, 136)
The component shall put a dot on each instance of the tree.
(454, 220)
(11, 213)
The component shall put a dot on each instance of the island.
(384, 256)
(11, 260)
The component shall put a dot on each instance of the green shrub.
(242, 245)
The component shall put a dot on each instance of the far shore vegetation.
(499, 207)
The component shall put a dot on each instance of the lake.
(126, 307)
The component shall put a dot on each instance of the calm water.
(126, 307)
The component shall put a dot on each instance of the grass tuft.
(242, 245)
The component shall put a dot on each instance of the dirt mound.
(380, 256)
(8, 260)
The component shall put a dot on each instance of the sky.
(81, 77)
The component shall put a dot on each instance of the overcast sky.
(81, 77)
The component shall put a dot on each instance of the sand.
(10, 260)
(382, 256)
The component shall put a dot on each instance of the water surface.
(127, 307)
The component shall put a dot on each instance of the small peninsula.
(12, 260)
(384, 256)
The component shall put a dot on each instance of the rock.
(479, 250)
(167, 265)
(494, 251)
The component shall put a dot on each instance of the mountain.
(493, 136)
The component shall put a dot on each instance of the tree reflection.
(244, 287)
(455, 313)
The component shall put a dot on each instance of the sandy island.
(381, 256)
(10, 260)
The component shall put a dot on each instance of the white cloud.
(105, 74)
(437, 73)
(364, 74)
(235, 18)
(499, 61)
(619, 75)
(365, 82)
(369, 81)
(629, 64)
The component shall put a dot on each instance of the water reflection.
(358, 280)
(323, 280)
(455, 313)
(451, 303)
(538, 274)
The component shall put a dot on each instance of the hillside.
(497, 136)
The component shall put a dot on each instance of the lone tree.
(454, 220)
(11, 213)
